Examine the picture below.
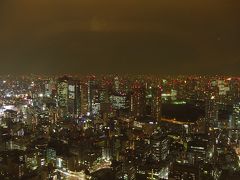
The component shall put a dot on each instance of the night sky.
(122, 36)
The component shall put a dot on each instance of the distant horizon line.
(121, 74)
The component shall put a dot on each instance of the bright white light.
(59, 162)
(10, 107)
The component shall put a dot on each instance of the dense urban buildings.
(119, 127)
(119, 89)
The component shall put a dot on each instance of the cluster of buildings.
(119, 127)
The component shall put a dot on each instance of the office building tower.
(211, 112)
(235, 121)
(138, 98)
(156, 103)
(49, 88)
(116, 84)
(160, 147)
(68, 96)
(153, 102)
(91, 87)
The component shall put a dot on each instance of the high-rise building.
(91, 87)
(160, 147)
(118, 101)
(116, 84)
(68, 96)
(235, 121)
(153, 102)
(212, 112)
(51, 155)
(49, 88)
(156, 103)
(138, 99)
(84, 98)
(62, 92)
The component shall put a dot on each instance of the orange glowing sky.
(147, 36)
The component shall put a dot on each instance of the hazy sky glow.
(147, 36)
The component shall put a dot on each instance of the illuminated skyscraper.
(153, 101)
(84, 98)
(49, 88)
(138, 98)
(62, 92)
(160, 147)
(68, 96)
(116, 84)
(156, 103)
(118, 101)
(235, 121)
(211, 110)
(91, 85)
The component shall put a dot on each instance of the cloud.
(121, 36)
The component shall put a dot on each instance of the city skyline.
(119, 90)
(119, 127)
